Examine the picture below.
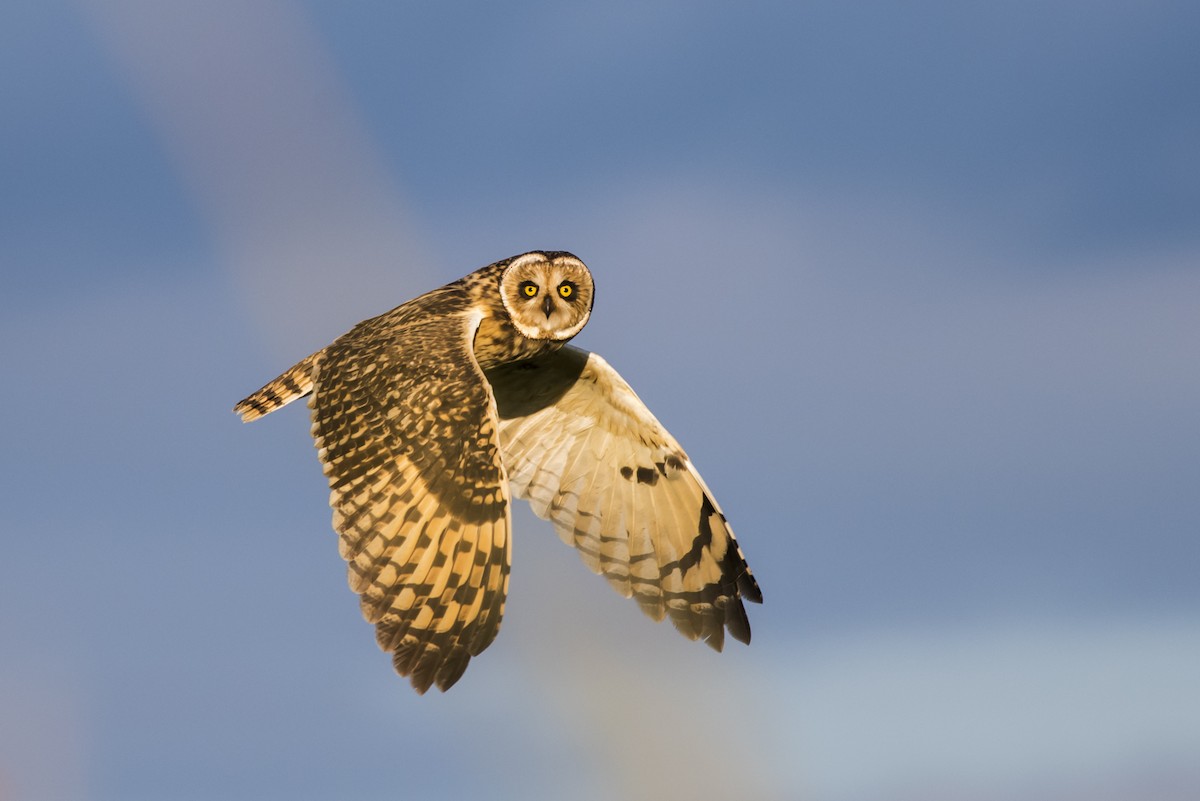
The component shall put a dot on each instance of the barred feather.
(295, 383)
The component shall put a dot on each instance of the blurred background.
(916, 285)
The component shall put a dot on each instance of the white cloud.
(999, 711)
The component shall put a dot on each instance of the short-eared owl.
(429, 417)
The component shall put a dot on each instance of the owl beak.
(547, 305)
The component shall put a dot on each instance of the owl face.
(547, 295)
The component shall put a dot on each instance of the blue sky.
(917, 287)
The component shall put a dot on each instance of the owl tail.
(295, 383)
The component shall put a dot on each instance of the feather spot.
(646, 475)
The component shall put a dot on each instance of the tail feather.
(295, 383)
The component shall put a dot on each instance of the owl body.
(429, 418)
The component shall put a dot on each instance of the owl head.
(547, 295)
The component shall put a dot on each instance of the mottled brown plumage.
(425, 416)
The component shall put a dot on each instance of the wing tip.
(737, 622)
(279, 392)
(748, 588)
(246, 411)
(426, 666)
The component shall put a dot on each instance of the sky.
(917, 286)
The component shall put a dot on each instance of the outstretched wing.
(406, 430)
(588, 455)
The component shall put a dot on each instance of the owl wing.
(406, 430)
(587, 454)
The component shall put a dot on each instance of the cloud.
(276, 158)
(988, 709)
(996, 711)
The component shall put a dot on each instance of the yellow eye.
(528, 289)
(566, 290)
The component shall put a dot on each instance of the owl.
(430, 418)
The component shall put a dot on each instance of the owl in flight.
(430, 417)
